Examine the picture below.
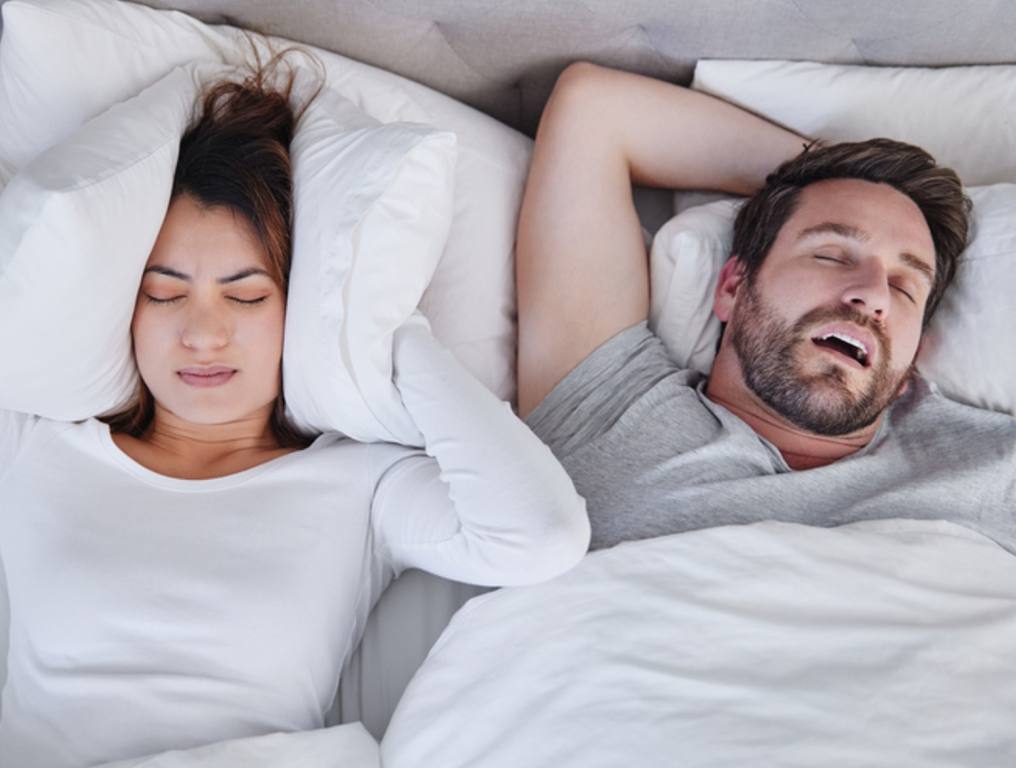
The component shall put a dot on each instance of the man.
(812, 412)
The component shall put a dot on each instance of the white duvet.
(342, 746)
(886, 643)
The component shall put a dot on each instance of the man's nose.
(869, 291)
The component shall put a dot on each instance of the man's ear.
(731, 277)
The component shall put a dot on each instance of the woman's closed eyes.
(248, 302)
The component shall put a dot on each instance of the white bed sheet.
(875, 644)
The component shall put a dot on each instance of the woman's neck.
(183, 449)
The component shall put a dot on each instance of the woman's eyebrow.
(222, 280)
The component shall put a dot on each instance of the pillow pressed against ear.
(964, 350)
(76, 227)
(372, 210)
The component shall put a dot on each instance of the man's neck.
(800, 449)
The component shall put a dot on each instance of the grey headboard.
(503, 57)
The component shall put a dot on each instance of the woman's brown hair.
(236, 156)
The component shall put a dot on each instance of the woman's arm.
(488, 503)
(581, 263)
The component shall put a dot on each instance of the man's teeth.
(849, 340)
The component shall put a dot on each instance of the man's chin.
(826, 407)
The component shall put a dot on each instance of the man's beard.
(823, 403)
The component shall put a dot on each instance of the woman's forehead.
(200, 241)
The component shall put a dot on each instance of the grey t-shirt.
(653, 455)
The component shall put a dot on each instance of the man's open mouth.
(844, 345)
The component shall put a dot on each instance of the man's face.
(828, 330)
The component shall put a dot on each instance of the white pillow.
(50, 47)
(76, 227)
(961, 115)
(372, 210)
(684, 265)
(964, 351)
(966, 348)
(63, 62)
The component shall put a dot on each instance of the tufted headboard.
(503, 57)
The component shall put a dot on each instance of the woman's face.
(207, 304)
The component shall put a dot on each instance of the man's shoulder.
(927, 407)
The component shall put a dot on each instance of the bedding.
(872, 644)
(960, 352)
(346, 746)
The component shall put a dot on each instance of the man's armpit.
(590, 399)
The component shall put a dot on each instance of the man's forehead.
(869, 207)
(861, 211)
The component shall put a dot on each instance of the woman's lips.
(213, 380)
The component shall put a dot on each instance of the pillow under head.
(961, 350)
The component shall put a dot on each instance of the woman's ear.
(731, 276)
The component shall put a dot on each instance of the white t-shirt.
(151, 613)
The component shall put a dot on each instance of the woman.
(194, 569)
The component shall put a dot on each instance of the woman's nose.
(205, 328)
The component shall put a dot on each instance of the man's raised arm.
(581, 266)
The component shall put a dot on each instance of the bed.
(503, 59)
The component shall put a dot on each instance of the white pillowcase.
(961, 115)
(963, 350)
(76, 227)
(966, 349)
(50, 47)
(372, 210)
(684, 266)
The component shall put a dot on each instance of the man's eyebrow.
(222, 280)
(920, 265)
(834, 228)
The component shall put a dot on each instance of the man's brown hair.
(937, 191)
